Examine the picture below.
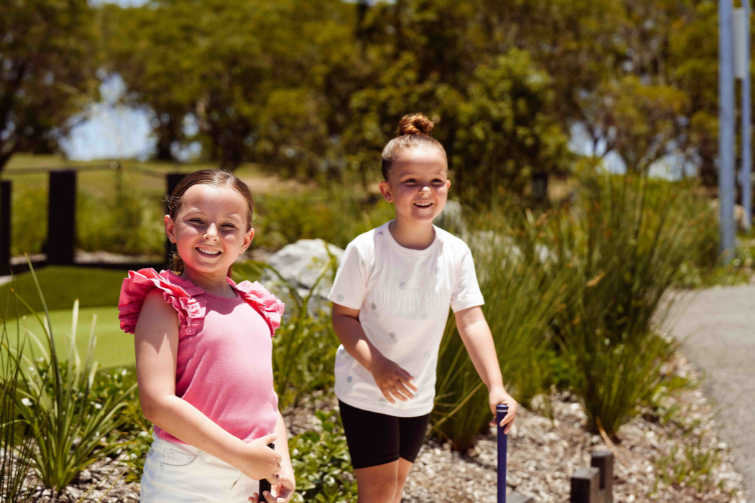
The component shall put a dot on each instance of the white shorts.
(180, 473)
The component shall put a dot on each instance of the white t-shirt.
(403, 296)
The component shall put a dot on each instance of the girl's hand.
(497, 396)
(393, 381)
(260, 461)
(281, 493)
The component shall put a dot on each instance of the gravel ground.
(543, 453)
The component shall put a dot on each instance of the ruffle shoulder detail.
(178, 292)
(267, 304)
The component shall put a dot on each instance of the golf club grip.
(264, 483)
(501, 412)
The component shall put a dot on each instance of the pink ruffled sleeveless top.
(224, 365)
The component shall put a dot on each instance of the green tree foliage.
(315, 89)
(48, 55)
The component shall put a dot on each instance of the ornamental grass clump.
(521, 299)
(68, 425)
(16, 446)
(626, 239)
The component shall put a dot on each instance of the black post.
(585, 485)
(5, 222)
(61, 217)
(172, 180)
(603, 461)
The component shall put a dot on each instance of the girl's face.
(210, 228)
(417, 184)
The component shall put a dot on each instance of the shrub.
(322, 465)
(129, 223)
(334, 214)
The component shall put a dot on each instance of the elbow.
(151, 408)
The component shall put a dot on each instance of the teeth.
(423, 205)
(209, 252)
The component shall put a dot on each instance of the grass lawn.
(114, 347)
(61, 286)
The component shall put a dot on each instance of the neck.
(412, 235)
(214, 284)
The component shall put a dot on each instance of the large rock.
(301, 264)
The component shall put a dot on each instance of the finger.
(397, 394)
(267, 439)
(387, 395)
(253, 498)
(507, 419)
(405, 391)
(272, 499)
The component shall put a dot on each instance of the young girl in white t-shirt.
(391, 297)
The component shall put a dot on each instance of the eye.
(410, 181)
(196, 220)
(230, 226)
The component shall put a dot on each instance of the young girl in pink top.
(204, 355)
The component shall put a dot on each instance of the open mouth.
(423, 205)
(208, 252)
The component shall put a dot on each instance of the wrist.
(497, 388)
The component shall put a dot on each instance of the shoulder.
(453, 243)
(156, 310)
(267, 304)
(173, 289)
(366, 241)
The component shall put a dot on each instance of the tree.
(48, 50)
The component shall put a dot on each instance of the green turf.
(114, 348)
(61, 286)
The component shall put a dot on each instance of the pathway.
(717, 328)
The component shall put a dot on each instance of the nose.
(425, 189)
(212, 233)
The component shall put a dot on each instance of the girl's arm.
(156, 342)
(475, 333)
(392, 380)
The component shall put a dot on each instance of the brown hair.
(413, 131)
(213, 178)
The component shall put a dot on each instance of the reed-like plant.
(626, 239)
(68, 425)
(16, 446)
(521, 299)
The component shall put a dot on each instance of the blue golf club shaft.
(501, 411)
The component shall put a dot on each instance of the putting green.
(114, 348)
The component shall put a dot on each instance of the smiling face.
(417, 184)
(210, 228)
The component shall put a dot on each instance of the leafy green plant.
(322, 465)
(69, 424)
(335, 214)
(692, 467)
(129, 223)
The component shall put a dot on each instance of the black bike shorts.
(375, 439)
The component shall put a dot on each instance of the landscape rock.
(300, 264)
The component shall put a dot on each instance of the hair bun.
(415, 124)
